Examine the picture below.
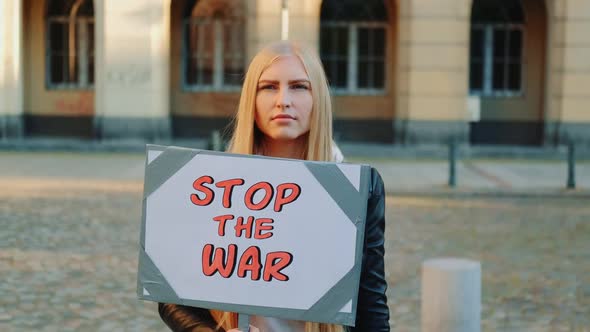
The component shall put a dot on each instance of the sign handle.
(244, 322)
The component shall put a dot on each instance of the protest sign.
(253, 235)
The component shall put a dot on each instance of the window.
(353, 37)
(496, 48)
(214, 45)
(70, 44)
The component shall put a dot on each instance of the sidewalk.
(411, 173)
(68, 257)
(483, 177)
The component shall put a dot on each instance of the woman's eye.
(300, 87)
(266, 87)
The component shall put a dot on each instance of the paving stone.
(68, 258)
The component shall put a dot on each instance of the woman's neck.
(292, 149)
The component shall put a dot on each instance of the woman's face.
(283, 100)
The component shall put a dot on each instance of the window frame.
(83, 75)
(352, 58)
(218, 54)
(487, 89)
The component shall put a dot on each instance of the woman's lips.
(283, 117)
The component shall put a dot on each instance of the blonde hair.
(246, 137)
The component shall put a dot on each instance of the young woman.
(285, 111)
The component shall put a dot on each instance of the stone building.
(511, 72)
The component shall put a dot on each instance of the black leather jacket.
(372, 312)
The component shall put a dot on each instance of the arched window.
(214, 45)
(70, 44)
(496, 48)
(353, 39)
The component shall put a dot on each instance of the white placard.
(255, 232)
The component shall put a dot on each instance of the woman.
(285, 111)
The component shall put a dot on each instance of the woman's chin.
(287, 136)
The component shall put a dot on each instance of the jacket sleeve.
(372, 311)
(180, 318)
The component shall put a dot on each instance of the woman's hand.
(252, 329)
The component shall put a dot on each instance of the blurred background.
(512, 72)
(475, 112)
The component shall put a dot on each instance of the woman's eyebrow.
(301, 80)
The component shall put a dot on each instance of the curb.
(350, 149)
(464, 151)
(78, 145)
(482, 193)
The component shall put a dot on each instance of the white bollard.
(451, 295)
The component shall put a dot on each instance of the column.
(11, 71)
(304, 22)
(264, 24)
(132, 76)
(433, 71)
(570, 71)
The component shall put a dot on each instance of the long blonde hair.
(246, 137)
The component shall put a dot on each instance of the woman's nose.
(284, 98)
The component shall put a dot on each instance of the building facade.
(513, 72)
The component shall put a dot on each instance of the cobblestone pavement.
(68, 256)
(535, 256)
